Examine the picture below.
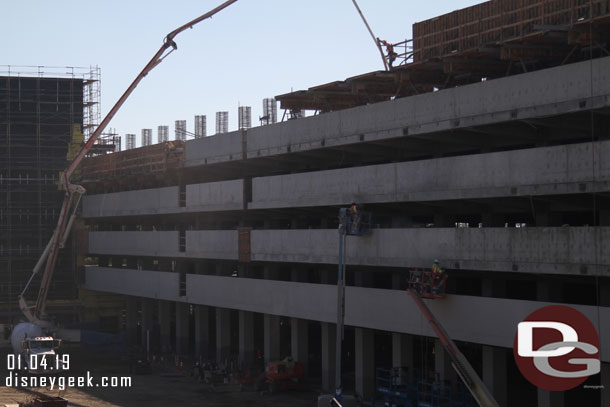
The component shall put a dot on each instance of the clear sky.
(251, 50)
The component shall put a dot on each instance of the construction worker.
(354, 218)
(437, 273)
(391, 54)
(416, 277)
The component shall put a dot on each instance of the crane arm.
(459, 362)
(74, 192)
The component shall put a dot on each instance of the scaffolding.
(41, 128)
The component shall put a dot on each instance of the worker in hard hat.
(354, 218)
(391, 54)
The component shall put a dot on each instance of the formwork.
(499, 21)
(144, 161)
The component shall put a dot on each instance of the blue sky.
(251, 50)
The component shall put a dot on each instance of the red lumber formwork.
(243, 242)
(138, 161)
(498, 21)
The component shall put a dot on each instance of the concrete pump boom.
(74, 192)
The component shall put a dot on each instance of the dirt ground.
(147, 390)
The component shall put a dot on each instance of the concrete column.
(398, 280)
(604, 218)
(442, 220)
(299, 338)
(271, 323)
(202, 331)
(493, 288)
(131, 320)
(550, 398)
(494, 373)
(246, 338)
(547, 290)
(604, 293)
(491, 220)
(147, 320)
(182, 328)
(328, 356)
(223, 334)
(442, 364)
(402, 351)
(365, 362)
(547, 218)
(605, 382)
(164, 325)
(271, 326)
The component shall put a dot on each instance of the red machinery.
(284, 374)
(426, 284)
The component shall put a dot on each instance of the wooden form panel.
(497, 21)
(243, 243)
(143, 160)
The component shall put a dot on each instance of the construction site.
(380, 243)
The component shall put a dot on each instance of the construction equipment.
(74, 192)
(353, 221)
(377, 43)
(36, 351)
(395, 387)
(284, 374)
(418, 289)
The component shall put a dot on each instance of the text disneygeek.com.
(63, 382)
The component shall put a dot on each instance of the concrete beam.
(520, 97)
(489, 321)
(554, 170)
(129, 203)
(559, 250)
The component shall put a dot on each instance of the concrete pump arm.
(74, 192)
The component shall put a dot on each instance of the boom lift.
(74, 192)
(423, 284)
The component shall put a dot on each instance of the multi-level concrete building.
(239, 251)
(489, 153)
